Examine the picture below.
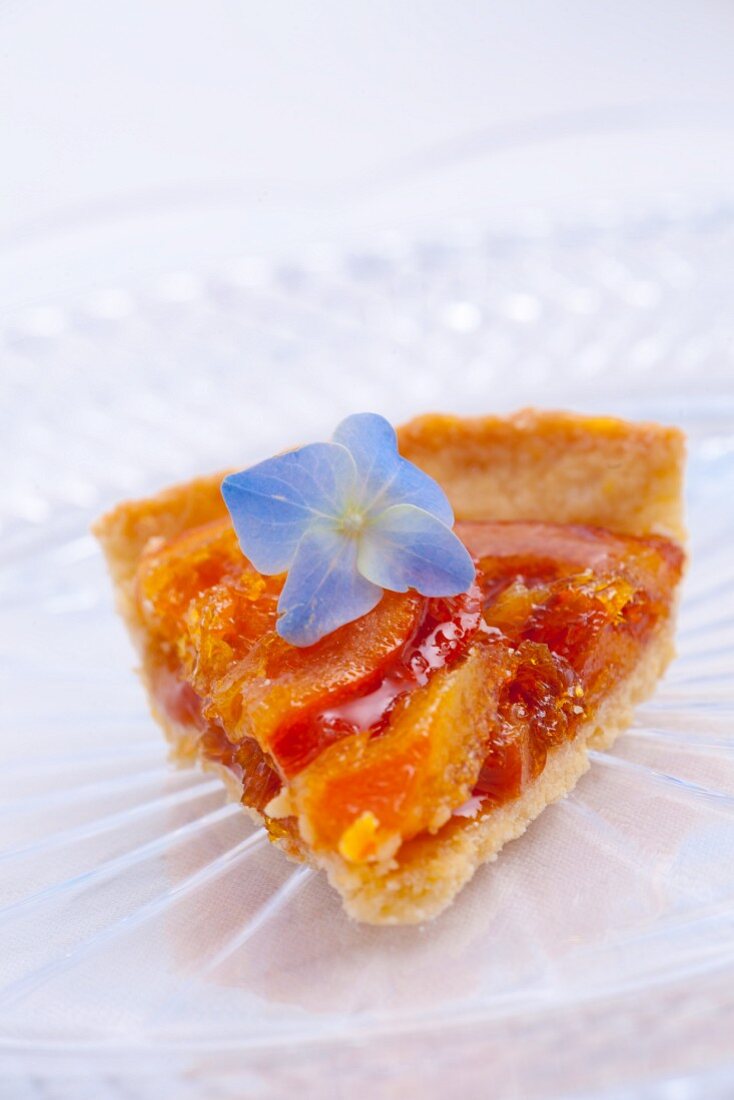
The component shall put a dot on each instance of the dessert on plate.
(397, 650)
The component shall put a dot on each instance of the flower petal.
(383, 477)
(273, 504)
(373, 445)
(411, 486)
(406, 547)
(324, 590)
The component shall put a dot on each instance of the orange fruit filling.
(385, 727)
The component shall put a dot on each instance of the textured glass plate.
(147, 928)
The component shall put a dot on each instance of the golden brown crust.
(126, 530)
(535, 466)
(555, 467)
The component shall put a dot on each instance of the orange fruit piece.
(285, 690)
(365, 795)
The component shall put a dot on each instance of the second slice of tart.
(404, 749)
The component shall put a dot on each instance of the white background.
(160, 133)
(150, 141)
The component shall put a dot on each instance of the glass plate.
(147, 928)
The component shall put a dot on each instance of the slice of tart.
(405, 748)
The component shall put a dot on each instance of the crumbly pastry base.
(532, 466)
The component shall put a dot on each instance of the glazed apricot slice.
(363, 796)
(203, 600)
(285, 691)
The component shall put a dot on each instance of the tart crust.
(534, 466)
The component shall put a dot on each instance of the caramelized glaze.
(569, 608)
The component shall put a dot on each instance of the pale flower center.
(352, 522)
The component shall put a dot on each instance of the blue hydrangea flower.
(345, 520)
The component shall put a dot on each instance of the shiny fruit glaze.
(576, 605)
(366, 794)
(355, 723)
(204, 604)
(443, 630)
(245, 759)
(291, 697)
(539, 707)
